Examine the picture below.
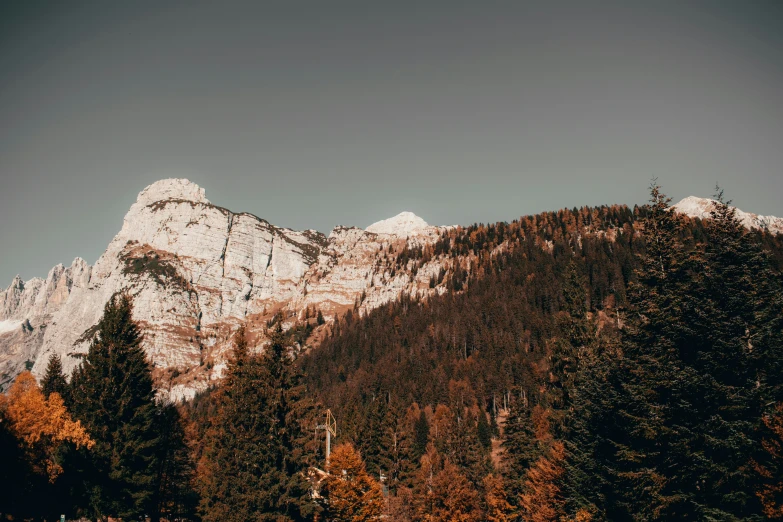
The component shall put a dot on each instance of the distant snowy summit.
(696, 207)
(403, 224)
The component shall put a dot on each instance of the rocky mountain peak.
(697, 207)
(694, 206)
(172, 189)
(17, 283)
(403, 224)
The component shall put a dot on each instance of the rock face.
(196, 271)
(700, 208)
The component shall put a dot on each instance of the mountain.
(196, 271)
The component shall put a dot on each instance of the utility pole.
(330, 426)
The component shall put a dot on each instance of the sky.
(313, 114)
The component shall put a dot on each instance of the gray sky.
(311, 114)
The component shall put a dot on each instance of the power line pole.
(330, 426)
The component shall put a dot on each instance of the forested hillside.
(602, 363)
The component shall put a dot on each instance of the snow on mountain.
(9, 325)
(696, 207)
(403, 224)
(196, 271)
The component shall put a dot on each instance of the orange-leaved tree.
(541, 500)
(42, 425)
(499, 509)
(351, 494)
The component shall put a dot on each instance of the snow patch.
(404, 223)
(9, 326)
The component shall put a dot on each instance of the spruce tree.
(519, 447)
(113, 397)
(668, 428)
(255, 453)
(421, 433)
(617, 435)
(54, 379)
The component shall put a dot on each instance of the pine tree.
(519, 446)
(668, 429)
(255, 452)
(484, 431)
(617, 432)
(770, 490)
(176, 496)
(114, 398)
(54, 379)
(421, 433)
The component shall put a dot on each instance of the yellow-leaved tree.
(351, 494)
(42, 425)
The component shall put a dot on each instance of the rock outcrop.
(196, 271)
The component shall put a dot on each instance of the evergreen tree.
(519, 446)
(255, 452)
(668, 429)
(54, 379)
(176, 497)
(770, 491)
(484, 431)
(421, 433)
(113, 397)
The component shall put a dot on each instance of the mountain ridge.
(197, 271)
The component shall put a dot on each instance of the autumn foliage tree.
(498, 508)
(541, 500)
(36, 435)
(42, 425)
(350, 493)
